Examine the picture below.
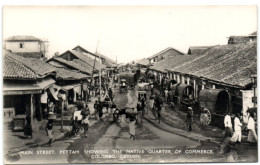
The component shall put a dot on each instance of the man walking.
(228, 125)
(189, 119)
(237, 126)
(158, 105)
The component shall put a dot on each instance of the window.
(21, 45)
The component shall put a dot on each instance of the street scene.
(170, 106)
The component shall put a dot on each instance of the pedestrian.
(75, 126)
(113, 108)
(252, 137)
(143, 105)
(132, 122)
(158, 105)
(189, 119)
(100, 109)
(107, 100)
(85, 111)
(151, 103)
(85, 123)
(110, 93)
(51, 107)
(28, 127)
(151, 87)
(166, 92)
(228, 125)
(77, 118)
(139, 110)
(237, 127)
(49, 131)
(96, 108)
(203, 118)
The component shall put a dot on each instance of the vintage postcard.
(129, 84)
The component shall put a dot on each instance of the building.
(227, 68)
(252, 36)
(143, 63)
(197, 49)
(164, 54)
(104, 59)
(76, 60)
(28, 46)
(242, 39)
(25, 80)
(31, 85)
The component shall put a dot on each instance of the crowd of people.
(240, 121)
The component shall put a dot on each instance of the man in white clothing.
(228, 126)
(252, 137)
(237, 126)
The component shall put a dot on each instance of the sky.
(129, 33)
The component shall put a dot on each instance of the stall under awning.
(10, 88)
(23, 88)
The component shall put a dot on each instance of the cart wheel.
(209, 116)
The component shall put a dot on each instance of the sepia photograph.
(93, 84)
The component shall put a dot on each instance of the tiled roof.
(143, 61)
(172, 62)
(30, 54)
(22, 38)
(68, 74)
(76, 64)
(108, 62)
(39, 66)
(31, 68)
(15, 69)
(20, 67)
(86, 59)
(165, 50)
(232, 64)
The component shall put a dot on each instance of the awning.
(20, 88)
(53, 93)
(70, 86)
(28, 87)
(46, 83)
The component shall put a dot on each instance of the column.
(183, 79)
(195, 89)
(188, 80)
(203, 85)
(178, 78)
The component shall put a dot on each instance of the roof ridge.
(96, 54)
(80, 58)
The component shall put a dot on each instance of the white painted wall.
(28, 46)
(247, 99)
